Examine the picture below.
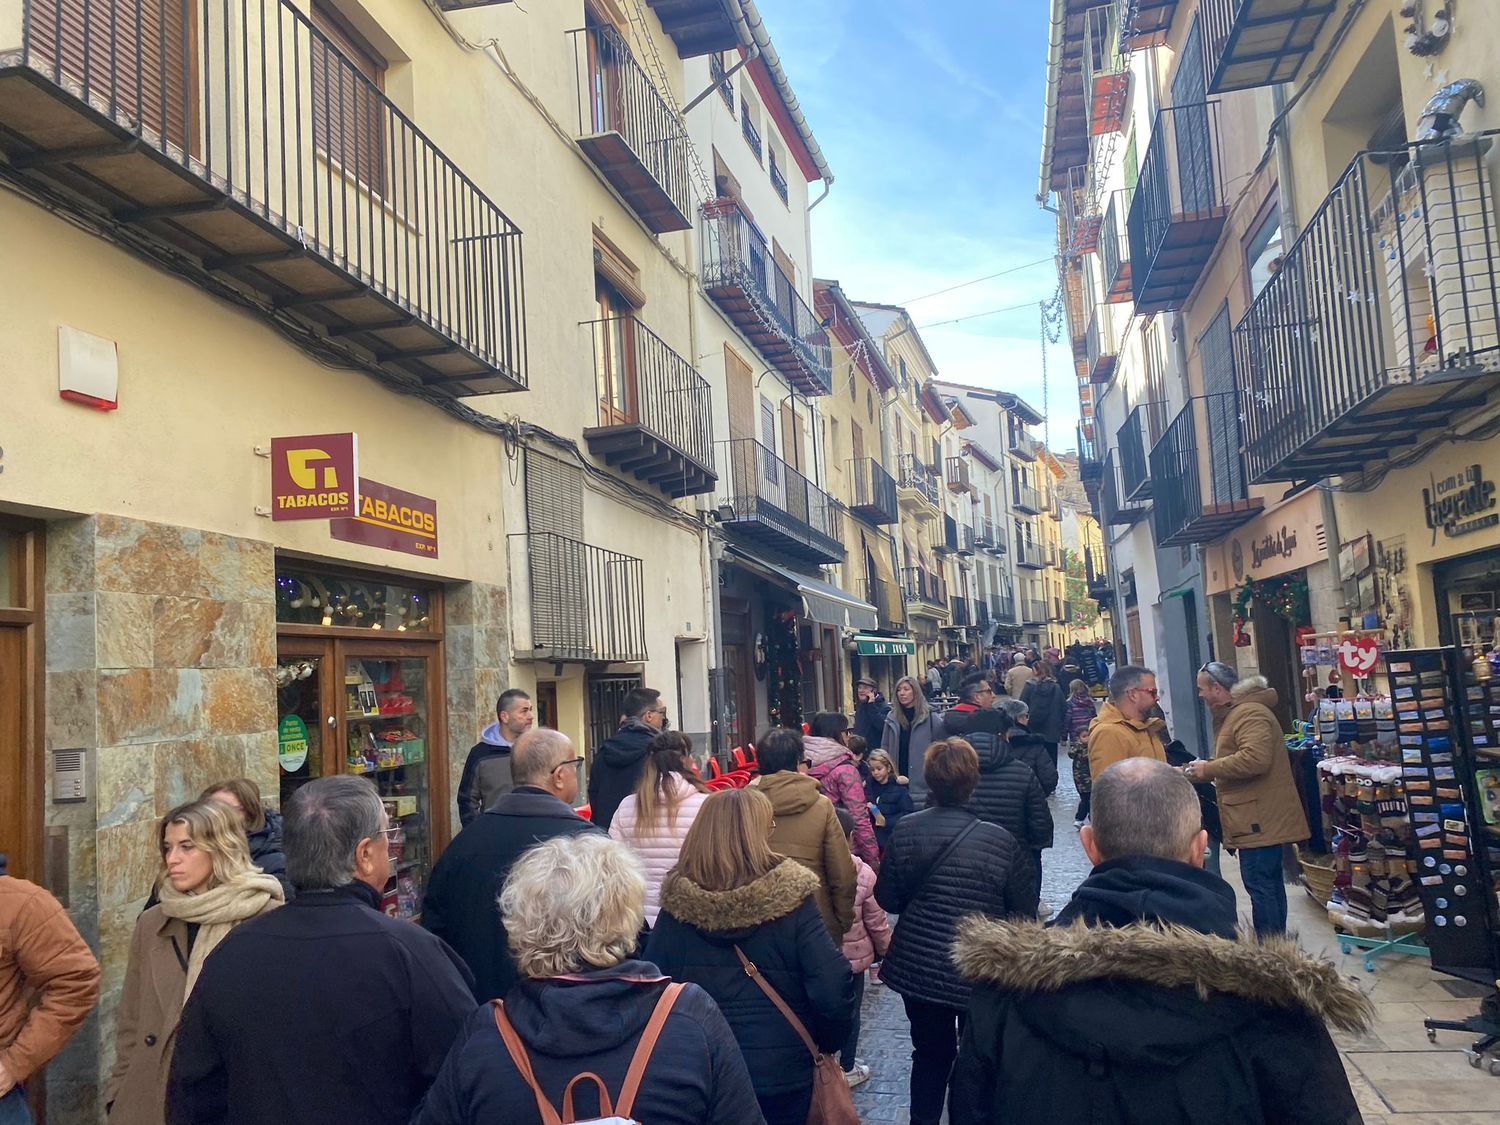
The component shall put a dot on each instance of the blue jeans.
(13, 1108)
(1260, 871)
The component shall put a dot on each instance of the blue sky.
(930, 115)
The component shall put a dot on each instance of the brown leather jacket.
(48, 978)
(1258, 802)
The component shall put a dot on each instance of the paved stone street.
(1397, 1076)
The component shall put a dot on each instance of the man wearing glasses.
(618, 764)
(1125, 728)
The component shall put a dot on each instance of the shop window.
(310, 597)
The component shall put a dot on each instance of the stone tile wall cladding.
(476, 655)
(161, 651)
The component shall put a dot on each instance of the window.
(1263, 251)
(614, 356)
(768, 439)
(719, 70)
(750, 120)
(347, 76)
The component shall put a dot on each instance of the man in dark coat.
(1138, 1003)
(1028, 747)
(869, 712)
(460, 906)
(486, 773)
(617, 766)
(326, 1009)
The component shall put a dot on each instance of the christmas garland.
(1285, 597)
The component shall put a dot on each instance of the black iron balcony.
(1142, 429)
(1114, 250)
(1067, 612)
(1079, 229)
(948, 544)
(1030, 554)
(1024, 499)
(1106, 79)
(1382, 326)
(697, 27)
(1249, 43)
(918, 491)
(239, 145)
(956, 473)
(1089, 466)
(1102, 349)
(1115, 508)
(982, 613)
(960, 612)
(1003, 607)
(1200, 492)
(965, 539)
(749, 131)
(586, 603)
(778, 180)
(872, 492)
(655, 418)
(1178, 209)
(889, 602)
(742, 277)
(630, 132)
(726, 86)
(776, 506)
(1022, 445)
(1152, 20)
(985, 535)
(1056, 617)
(924, 587)
(1033, 611)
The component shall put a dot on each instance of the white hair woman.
(909, 729)
(573, 909)
(207, 887)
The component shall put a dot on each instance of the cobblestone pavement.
(884, 1042)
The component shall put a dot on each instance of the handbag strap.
(781, 1005)
(931, 868)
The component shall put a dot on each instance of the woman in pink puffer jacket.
(654, 820)
(838, 774)
(864, 944)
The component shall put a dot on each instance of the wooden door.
(15, 794)
(21, 785)
(607, 51)
(740, 383)
(546, 704)
(614, 357)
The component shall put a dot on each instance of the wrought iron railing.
(1030, 553)
(888, 600)
(1116, 507)
(726, 85)
(1143, 426)
(1023, 446)
(256, 104)
(1025, 497)
(748, 129)
(965, 539)
(924, 586)
(916, 476)
(1395, 280)
(956, 473)
(1181, 178)
(1114, 246)
(1197, 463)
(586, 603)
(1088, 450)
(873, 490)
(1099, 341)
(1033, 611)
(984, 533)
(949, 543)
(1003, 607)
(761, 486)
(778, 180)
(617, 95)
(641, 381)
(960, 616)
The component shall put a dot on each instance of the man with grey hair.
(461, 903)
(1137, 1001)
(327, 1009)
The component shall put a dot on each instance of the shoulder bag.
(832, 1101)
(614, 1112)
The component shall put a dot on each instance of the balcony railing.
(960, 612)
(629, 130)
(919, 486)
(1178, 209)
(888, 600)
(1200, 491)
(585, 603)
(1033, 611)
(239, 145)
(725, 84)
(1115, 508)
(1249, 43)
(924, 587)
(1057, 617)
(956, 473)
(1067, 612)
(655, 415)
(985, 535)
(1102, 349)
(749, 131)
(872, 492)
(1080, 216)
(1106, 80)
(965, 539)
(1382, 325)
(1003, 607)
(1089, 465)
(1022, 445)
(1151, 20)
(1143, 427)
(1025, 499)
(742, 276)
(948, 544)
(1030, 554)
(778, 180)
(1114, 249)
(776, 506)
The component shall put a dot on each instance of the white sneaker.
(860, 1073)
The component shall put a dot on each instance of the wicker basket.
(1317, 875)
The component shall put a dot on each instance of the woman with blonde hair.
(909, 729)
(584, 1010)
(207, 887)
(654, 820)
(733, 913)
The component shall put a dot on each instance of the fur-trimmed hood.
(1026, 959)
(732, 913)
(1253, 689)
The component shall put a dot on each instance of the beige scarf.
(218, 911)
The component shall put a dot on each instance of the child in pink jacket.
(864, 944)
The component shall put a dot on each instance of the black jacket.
(778, 925)
(592, 1021)
(460, 904)
(1047, 701)
(987, 873)
(616, 768)
(869, 720)
(1029, 748)
(486, 775)
(1009, 793)
(325, 1010)
(893, 799)
(1113, 1021)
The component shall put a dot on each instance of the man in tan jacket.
(1125, 728)
(48, 984)
(1258, 803)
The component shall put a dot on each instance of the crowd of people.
(682, 955)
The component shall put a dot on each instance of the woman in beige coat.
(207, 887)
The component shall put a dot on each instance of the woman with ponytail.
(654, 820)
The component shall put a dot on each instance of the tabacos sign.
(314, 477)
(1460, 503)
(391, 519)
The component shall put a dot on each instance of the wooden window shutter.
(739, 378)
(349, 118)
(618, 270)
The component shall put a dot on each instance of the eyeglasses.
(1155, 693)
(567, 762)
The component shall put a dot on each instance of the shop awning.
(821, 601)
(884, 646)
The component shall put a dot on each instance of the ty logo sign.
(314, 477)
(1359, 656)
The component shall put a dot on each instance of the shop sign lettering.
(1359, 656)
(392, 520)
(291, 737)
(314, 476)
(1461, 503)
(1274, 545)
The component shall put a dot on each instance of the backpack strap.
(522, 1060)
(605, 1108)
(645, 1047)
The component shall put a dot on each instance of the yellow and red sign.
(392, 520)
(314, 477)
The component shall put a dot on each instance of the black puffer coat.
(266, 853)
(616, 768)
(1029, 748)
(986, 873)
(1009, 793)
